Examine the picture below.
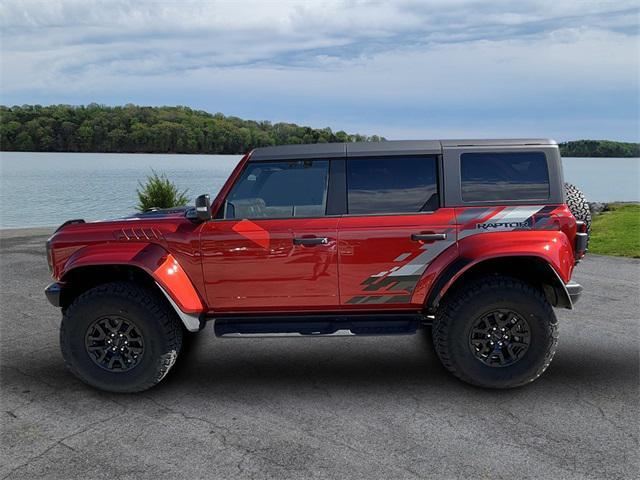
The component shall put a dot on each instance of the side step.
(318, 325)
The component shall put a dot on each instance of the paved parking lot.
(343, 408)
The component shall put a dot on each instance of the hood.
(151, 215)
(160, 213)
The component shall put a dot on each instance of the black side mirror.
(203, 207)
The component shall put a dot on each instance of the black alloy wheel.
(114, 343)
(499, 338)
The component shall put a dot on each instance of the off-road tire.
(577, 203)
(158, 323)
(459, 311)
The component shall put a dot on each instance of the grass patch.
(617, 232)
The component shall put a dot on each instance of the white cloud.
(330, 61)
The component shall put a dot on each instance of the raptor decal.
(474, 221)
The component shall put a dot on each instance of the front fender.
(153, 259)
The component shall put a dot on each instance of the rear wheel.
(120, 337)
(496, 332)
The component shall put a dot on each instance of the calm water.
(45, 189)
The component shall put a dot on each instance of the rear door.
(394, 228)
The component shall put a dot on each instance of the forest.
(139, 129)
(599, 148)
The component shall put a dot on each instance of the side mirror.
(203, 207)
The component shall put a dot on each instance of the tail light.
(582, 238)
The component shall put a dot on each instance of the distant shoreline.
(235, 154)
(131, 129)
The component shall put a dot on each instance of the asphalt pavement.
(339, 408)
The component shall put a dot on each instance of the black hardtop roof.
(384, 148)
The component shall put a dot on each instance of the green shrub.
(159, 192)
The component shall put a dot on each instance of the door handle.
(311, 241)
(428, 237)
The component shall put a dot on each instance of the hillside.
(599, 148)
(136, 129)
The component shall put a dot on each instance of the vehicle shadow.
(211, 364)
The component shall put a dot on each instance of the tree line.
(599, 148)
(136, 129)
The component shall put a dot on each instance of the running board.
(318, 325)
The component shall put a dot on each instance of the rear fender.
(551, 248)
(153, 259)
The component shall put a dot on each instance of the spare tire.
(577, 203)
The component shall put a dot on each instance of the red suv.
(472, 237)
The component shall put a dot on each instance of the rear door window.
(392, 185)
(280, 190)
(496, 176)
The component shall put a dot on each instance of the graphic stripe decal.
(516, 214)
(473, 213)
(505, 220)
(419, 264)
(377, 299)
(401, 280)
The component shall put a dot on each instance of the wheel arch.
(532, 269)
(150, 265)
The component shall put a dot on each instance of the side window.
(392, 185)
(280, 189)
(495, 176)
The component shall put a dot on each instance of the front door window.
(280, 190)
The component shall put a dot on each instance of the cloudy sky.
(402, 69)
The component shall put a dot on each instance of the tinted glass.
(280, 189)
(504, 176)
(392, 185)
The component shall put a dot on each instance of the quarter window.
(500, 176)
(280, 189)
(392, 185)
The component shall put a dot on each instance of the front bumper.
(574, 290)
(53, 292)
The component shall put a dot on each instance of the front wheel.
(120, 337)
(496, 332)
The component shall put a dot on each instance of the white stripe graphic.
(515, 214)
(419, 264)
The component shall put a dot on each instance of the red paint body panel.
(553, 247)
(143, 243)
(255, 266)
(548, 233)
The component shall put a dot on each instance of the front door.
(274, 249)
(393, 230)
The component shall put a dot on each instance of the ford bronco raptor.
(476, 238)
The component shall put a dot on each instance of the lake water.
(45, 189)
